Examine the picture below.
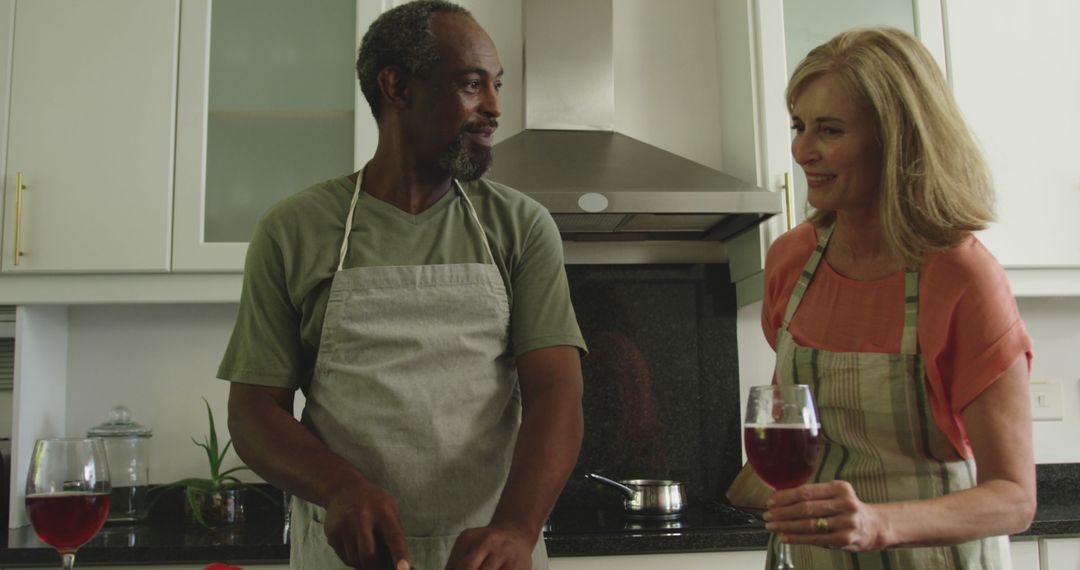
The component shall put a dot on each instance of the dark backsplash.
(661, 379)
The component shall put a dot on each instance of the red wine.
(783, 456)
(67, 521)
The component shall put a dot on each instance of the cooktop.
(707, 516)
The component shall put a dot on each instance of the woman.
(900, 320)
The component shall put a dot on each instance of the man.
(425, 315)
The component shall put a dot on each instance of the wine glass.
(783, 440)
(68, 493)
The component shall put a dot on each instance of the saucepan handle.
(629, 492)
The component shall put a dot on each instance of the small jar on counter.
(127, 447)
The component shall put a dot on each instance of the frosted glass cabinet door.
(93, 87)
(266, 109)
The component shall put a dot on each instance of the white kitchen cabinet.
(1024, 554)
(1060, 553)
(750, 559)
(90, 134)
(1015, 70)
(265, 109)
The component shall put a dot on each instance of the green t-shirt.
(293, 256)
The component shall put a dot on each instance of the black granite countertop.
(167, 539)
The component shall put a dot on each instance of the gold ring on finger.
(821, 525)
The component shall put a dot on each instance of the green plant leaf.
(215, 461)
(209, 455)
(233, 470)
(194, 505)
(236, 483)
(224, 450)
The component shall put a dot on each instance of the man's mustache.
(478, 126)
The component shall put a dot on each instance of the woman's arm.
(998, 425)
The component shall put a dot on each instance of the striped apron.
(880, 436)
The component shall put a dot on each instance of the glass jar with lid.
(127, 446)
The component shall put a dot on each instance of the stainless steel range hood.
(599, 184)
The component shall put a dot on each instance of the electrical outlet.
(1045, 400)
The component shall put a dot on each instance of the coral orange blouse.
(969, 327)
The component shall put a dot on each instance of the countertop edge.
(558, 545)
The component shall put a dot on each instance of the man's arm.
(546, 451)
(276, 446)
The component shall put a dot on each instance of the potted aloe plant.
(218, 499)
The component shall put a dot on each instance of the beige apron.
(415, 386)
(879, 435)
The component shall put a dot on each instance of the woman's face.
(836, 144)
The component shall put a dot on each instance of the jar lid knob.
(120, 414)
(119, 424)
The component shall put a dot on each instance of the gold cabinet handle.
(19, 187)
(789, 200)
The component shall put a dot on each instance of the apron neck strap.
(349, 220)
(806, 275)
(472, 213)
(909, 343)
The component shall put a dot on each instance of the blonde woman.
(901, 322)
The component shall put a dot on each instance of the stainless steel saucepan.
(648, 497)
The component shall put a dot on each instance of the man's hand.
(492, 548)
(363, 526)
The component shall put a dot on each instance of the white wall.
(1054, 326)
(159, 361)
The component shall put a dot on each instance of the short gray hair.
(400, 37)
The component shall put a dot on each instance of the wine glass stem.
(68, 559)
(785, 562)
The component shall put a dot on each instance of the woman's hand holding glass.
(825, 514)
(783, 440)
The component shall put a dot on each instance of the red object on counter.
(221, 566)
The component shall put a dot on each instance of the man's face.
(455, 109)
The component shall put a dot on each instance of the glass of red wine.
(68, 493)
(783, 440)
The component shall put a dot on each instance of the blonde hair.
(935, 188)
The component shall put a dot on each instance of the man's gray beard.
(463, 165)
